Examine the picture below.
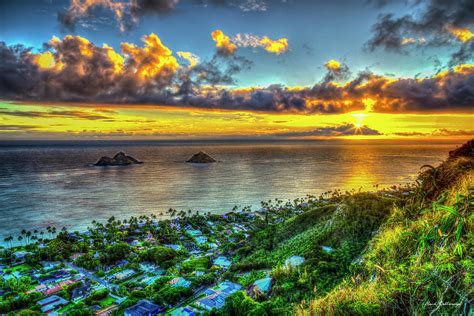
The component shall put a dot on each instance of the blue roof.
(326, 248)
(144, 307)
(294, 261)
(263, 284)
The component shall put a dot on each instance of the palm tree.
(20, 238)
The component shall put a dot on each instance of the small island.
(201, 157)
(120, 159)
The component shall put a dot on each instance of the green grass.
(106, 302)
(420, 262)
(22, 268)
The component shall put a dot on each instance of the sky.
(199, 69)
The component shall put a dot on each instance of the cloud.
(436, 22)
(127, 13)
(191, 58)
(439, 133)
(224, 45)
(253, 5)
(345, 129)
(155, 60)
(278, 46)
(80, 71)
(337, 71)
(56, 114)
(17, 127)
(227, 46)
(462, 34)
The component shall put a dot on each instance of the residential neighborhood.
(139, 266)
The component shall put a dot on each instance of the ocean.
(54, 184)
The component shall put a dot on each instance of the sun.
(360, 118)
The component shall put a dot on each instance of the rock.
(120, 159)
(201, 157)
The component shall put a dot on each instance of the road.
(92, 277)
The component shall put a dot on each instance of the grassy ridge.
(403, 251)
(420, 262)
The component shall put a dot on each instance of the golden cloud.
(333, 65)
(223, 43)
(462, 34)
(191, 58)
(275, 46)
(155, 59)
(227, 46)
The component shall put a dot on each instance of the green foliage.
(96, 296)
(420, 262)
(202, 263)
(115, 253)
(160, 255)
(169, 295)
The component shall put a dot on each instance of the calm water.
(55, 185)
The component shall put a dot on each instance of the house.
(80, 292)
(222, 262)
(143, 308)
(134, 243)
(212, 301)
(194, 232)
(125, 274)
(49, 265)
(20, 256)
(150, 280)
(151, 268)
(294, 261)
(49, 304)
(228, 287)
(201, 240)
(183, 311)
(180, 282)
(174, 247)
(327, 249)
(215, 297)
(57, 287)
(258, 287)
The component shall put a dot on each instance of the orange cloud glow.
(223, 43)
(275, 46)
(333, 65)
(278, 46)
(44, 60)
(462, 34)
(191, 58)
(155, 59)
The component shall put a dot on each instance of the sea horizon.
(54, 183)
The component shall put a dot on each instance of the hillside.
(420, 262)
(401, 251)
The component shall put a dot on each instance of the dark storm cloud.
(345, 129)
(431, 23)
(127, 13)
(463, 55)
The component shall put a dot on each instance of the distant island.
(201, 157)
(120, 159)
